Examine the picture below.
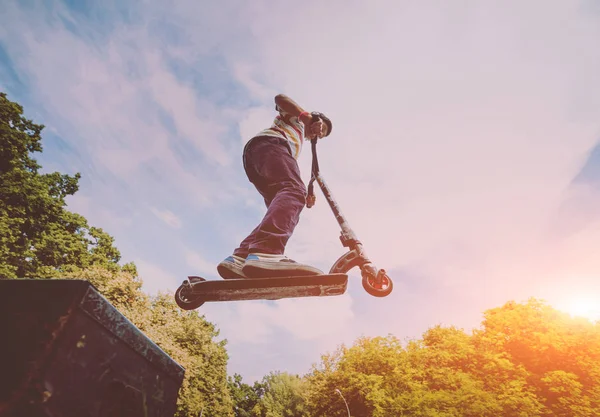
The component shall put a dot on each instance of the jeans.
(270, 166)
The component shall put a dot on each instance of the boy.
(270, 162)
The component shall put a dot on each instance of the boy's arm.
(291, 107)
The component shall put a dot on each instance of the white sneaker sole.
(228, 270)
(270, 269)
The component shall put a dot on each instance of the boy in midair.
(270, 161)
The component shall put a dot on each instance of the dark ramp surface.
(66, 351)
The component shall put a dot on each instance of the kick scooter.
(195, 291)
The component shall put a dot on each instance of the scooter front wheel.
(379, 285)
(186, 299)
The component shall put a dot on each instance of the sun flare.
(586, 307)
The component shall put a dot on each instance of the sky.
(465, 151)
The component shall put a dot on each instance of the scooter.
(195, 291)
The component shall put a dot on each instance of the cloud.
(246, 75)
(100, 217)
(201, 266)
(168, 217)
(254, 120)
(194, 119)
(113, 96)
(300, 318)
(154, 277)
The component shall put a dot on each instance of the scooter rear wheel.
(186, 299)
(378, 286)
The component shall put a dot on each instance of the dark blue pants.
(270, 166)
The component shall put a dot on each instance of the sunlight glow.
(583, 306)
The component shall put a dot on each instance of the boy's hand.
(317, 130)
(310, 200)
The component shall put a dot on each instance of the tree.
(560, 354)
(527, 360)
(39, 238)
(244, 396)
(360, 372)
(564, 395)
(447, 373)
(190, 340)
(283, 395)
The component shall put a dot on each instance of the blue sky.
(463, 152)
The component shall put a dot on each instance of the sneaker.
(264, 265)
(231, 267)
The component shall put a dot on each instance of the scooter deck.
(270, 288)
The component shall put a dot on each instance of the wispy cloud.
(317, 321)
(246, 74)
(154, 277)
(199, 264)
(194, 119)
(168, 217)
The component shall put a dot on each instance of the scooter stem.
(356, 255)
(348, 236)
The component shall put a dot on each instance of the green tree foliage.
(281, 395)
(189, 339)
(526, 360)
(244, 396)
(39, 238)
(560, 354)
